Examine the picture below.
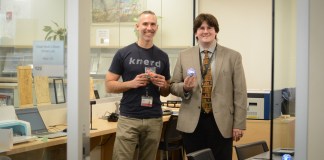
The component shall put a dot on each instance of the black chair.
(5, 158)
(248, 150)
(204, 154)
(171, 139)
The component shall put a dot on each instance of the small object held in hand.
(191, 72)
(150, 72)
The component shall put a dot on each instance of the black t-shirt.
(131, 61)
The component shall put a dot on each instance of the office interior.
(280, 42)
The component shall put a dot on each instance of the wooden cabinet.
(284, 132)
(257, 130)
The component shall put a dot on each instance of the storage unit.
(259, 105)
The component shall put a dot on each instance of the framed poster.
(115, 11)
(59, 90)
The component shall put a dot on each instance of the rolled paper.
(191, 72)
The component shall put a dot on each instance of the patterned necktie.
(207, 85)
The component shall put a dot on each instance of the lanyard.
(151, 51)
(203, 74)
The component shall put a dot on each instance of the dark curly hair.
(210, 19)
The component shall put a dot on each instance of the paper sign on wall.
(102, 37)
(48, 58)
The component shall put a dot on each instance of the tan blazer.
(229, 93)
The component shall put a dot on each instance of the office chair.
(5, 158)
(204, 154)
(171, 138)
(245, 151)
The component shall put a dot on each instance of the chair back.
(245, 151)
(204, 154)
(171, 133)
(5, 158)
(172, 138)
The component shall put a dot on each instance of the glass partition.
(284, 75)
(24, 22)
(113, 27)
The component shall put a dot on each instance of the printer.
(19, 127)
(20, 130)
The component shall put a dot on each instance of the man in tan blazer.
(225, 120)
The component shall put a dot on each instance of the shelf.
(16, 46)
(8, 79)
(9, 85)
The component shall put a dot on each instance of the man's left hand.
(237, 134)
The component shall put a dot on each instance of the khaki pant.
(132, 132)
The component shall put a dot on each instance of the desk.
(103, 136)
(265, 156)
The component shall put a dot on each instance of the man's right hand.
(189, 83)
(140, 80)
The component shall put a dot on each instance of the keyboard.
(51, 135)
(282, 151)
(21, 139)
(167, 112)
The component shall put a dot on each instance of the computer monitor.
(284, 100)
(32, 116)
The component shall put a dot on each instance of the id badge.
(147, 101)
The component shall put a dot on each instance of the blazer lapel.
(219, 61)
(195, 56)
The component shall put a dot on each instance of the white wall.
(46, 11)
(245, 26)
(28, 19)
(30, 16)
(285, 44)
(175, 25)
(53, 114)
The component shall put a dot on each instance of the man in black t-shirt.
(145, 71)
